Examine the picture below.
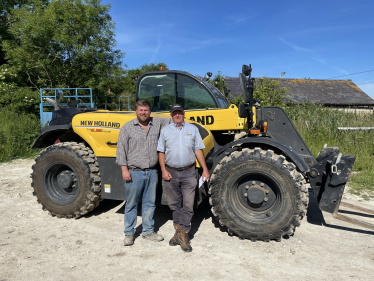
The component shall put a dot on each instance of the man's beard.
(143, 118)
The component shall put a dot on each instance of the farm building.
(333, 93)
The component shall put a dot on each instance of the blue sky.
(306, 39)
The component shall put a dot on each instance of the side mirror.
(244, 88)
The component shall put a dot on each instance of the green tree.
(218, 81)
(267, 90)
(65, 43)
(6, 7)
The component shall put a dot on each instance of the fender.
(296, 158)
(50, 134)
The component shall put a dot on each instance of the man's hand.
(166, 175)
(205, 175)
(200, 157)
(125, 173)
(161, 159)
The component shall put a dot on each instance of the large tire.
(258, 194)
(66, 180)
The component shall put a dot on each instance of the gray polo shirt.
(179, 145)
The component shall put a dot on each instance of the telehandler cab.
(259, 182)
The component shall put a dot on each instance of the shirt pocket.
(153, 137)
(187, 140)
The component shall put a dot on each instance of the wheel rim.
(61, 183)
(256, 197)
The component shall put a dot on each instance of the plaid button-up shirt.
(138, 148)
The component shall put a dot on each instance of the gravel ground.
(35, 246)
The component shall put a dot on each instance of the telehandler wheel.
(66, 180)
(258, 194)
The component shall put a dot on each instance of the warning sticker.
(107, 188)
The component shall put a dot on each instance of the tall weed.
(319, 125)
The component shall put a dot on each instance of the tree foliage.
(218, 81)
(6, 8)
(63, 43)
(267, 90)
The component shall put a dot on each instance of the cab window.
(193, 95)
(164, 90)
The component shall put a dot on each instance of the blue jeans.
(142, 182)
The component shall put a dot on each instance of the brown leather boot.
(173, 241)
(183, 240)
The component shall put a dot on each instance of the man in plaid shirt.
(137, 156)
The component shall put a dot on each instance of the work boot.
(129, 240)
(173, 241)
(153, 237)
(183, 240)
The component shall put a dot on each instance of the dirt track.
(35, 246)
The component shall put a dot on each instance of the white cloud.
(157, 48)
(237, 19)
(295, 47)
(306, 33)
(320, 60)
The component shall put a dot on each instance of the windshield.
(162, 91)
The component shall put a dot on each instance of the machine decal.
(205, 120)
(86, 123)
(98, 130)
(107, 188)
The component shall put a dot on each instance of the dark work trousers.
(180, 193)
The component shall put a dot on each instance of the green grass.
(318, 125)
(17, 133)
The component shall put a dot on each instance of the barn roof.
(327, 92)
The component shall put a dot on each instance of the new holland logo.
(205, 120)
(89, 123)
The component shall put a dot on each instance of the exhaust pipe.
(53, 103)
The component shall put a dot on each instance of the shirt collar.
(150, 122)
(175, 125)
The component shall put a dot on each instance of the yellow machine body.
(100, 129)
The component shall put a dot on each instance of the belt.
(139, 169)
(181, 169)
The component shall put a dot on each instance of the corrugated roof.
(327, 92)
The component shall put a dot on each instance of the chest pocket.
(153, 135)
(188, 140)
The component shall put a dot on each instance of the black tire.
(258, 194)
(66, 180)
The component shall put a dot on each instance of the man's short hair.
(143, 102)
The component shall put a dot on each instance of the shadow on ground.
(315, 216)
(104, 207)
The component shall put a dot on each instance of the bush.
(20, 100)
(17, 133)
